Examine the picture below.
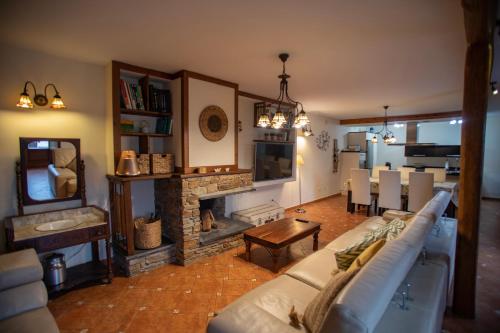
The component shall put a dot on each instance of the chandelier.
(279, 118)
(385, 133)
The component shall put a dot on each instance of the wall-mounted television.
(273, 160)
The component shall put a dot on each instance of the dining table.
(448, 186)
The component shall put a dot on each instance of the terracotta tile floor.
(183, 299)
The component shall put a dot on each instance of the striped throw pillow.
(389, 231)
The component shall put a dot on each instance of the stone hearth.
(178, 204)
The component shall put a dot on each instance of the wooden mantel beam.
(479, 18)
(412, 117)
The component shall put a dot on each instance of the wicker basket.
(143, 161)
(147, 233)
(162, 163)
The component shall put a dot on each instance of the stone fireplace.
(179, 202)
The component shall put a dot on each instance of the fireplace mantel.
(226, 192)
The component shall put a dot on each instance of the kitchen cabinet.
(432, 150)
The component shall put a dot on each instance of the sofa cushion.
(366, 255)
(316, 310)
(355, 235)
(361, 304)
(35, 321)
(23, 298)
(278, 296)
(316, 269)
(62, 157)
(245, 317)
(21, 267)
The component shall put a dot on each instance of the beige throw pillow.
(316, 311)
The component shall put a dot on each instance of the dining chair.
(405, 171)
(439, 174)
(389, 190)
(376, 170)
(420, 190)
(360, 189)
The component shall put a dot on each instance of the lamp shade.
(24, 101)
(300, 159)
(128, 165)
(57, 102)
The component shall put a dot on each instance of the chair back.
(439, 174)
(389, 190)
(405, 172)
(420, 191)
(360, 186)
(376, 170)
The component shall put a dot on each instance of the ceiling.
(348, 58)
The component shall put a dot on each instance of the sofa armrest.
(18, 268)
(35, 321)
(21, 299)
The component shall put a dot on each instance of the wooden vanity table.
(60, 177)
(92, 226)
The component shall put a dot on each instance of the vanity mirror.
(50, 170)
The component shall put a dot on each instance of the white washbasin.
(58, 225)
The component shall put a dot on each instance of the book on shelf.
(160, 100)
(164, 125)
(131, 96)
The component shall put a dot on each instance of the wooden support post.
(479, 23)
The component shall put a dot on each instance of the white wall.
(82, 87)
(203, 152)
(318, 180)
(491, 168)
(440, 132)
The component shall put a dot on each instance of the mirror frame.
(22, 181)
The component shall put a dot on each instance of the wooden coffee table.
(279, 234)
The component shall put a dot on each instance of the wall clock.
(323, 140)
(213, 123)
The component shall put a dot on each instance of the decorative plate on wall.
(213, 123)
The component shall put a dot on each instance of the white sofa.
(23, 297)
(371, 301)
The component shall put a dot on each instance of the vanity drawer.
(98, 232)
(61, 240)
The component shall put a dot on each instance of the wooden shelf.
(145, 134)
(146, 113)
(79, 276)
(140, 177)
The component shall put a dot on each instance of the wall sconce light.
(39, 99)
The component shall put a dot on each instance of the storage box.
(162, 163)
(143, 161)
(260, 214)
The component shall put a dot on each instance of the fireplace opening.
(214, 224)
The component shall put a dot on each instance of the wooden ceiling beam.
(423, 116)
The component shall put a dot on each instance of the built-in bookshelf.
(142, 109)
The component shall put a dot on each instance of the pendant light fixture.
(279, 119)
(386, 134)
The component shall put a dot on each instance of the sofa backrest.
(361, 304)
(435, 208)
